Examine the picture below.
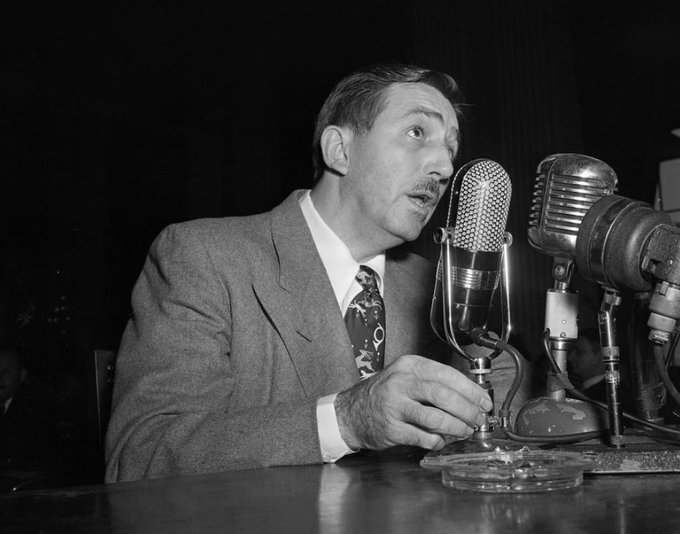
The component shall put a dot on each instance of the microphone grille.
(566, 186)
(484, 192)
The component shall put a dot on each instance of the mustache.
(431, 186)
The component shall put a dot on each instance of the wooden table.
(373, 493)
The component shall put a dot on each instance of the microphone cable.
(662, 363)
(671, 433)
(481, 339)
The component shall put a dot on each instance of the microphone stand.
(561, 312)
(488, 436)
(609, 347)
(554, 414)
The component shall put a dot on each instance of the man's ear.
(334, 147)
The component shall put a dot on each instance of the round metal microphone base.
(545, 416)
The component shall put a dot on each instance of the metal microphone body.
(469, 270)
(627, 245)
(566, 186)
(474, 279)
(472, 266)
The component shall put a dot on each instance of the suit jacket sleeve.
(177, 405)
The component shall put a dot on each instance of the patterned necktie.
(365, 320)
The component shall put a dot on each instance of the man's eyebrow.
(430, 113)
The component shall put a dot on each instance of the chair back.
(101, 391)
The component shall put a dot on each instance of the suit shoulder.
(229, 243)
(225, 232)
(209, 227)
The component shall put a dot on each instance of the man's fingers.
(414, 401)
(447, 400)
(412, 435)
(436, 421)
(453, 379)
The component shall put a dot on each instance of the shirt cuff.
(333, 447)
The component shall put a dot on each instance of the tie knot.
(367, 278)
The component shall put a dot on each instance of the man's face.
(10, 376)
(400, 169)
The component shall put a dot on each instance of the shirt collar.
(336, 257)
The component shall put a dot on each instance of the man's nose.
(439, 164)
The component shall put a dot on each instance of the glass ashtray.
(521, 471)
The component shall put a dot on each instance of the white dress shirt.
(342, 269)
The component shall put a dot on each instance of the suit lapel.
(406, 301)
(396, 316)
(302, 306)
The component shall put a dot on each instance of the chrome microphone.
(566, 186)
(625, 244)
(472, 255)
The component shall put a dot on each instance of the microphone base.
(545, 416)
(639, 453)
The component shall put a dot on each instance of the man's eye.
(416, 132)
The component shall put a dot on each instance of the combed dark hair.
(360, 97)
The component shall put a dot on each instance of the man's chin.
(408, 235)
(406, 229)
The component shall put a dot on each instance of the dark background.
(120, 119)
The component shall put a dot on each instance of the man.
(237, 354)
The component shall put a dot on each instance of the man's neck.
(328, 203)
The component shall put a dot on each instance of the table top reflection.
(374, 493)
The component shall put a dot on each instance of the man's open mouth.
(423, 200)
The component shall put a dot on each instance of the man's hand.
(414, 401)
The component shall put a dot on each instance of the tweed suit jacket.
(235, 334)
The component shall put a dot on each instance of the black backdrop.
(121, 119)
